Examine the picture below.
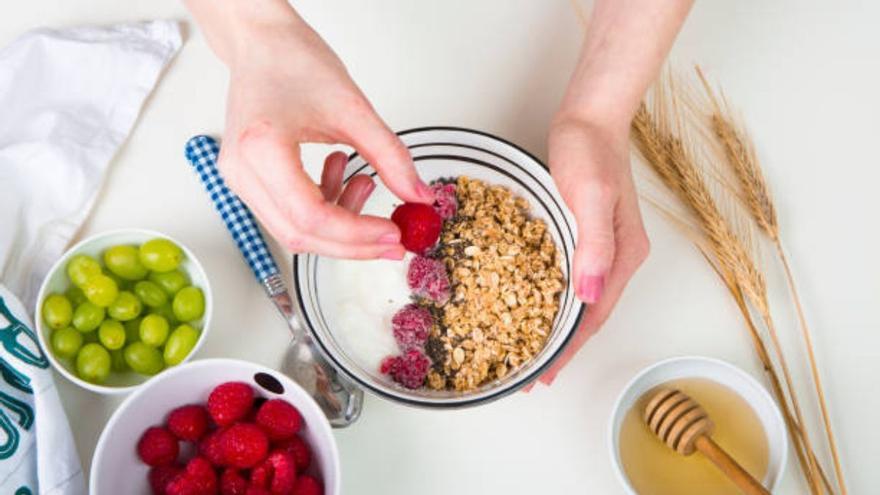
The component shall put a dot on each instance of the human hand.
(287, 88)
(591, 167)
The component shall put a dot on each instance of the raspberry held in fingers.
(419, 226)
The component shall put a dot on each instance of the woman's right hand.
(287, 87)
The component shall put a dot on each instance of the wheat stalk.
(660, 142)
(739, 155)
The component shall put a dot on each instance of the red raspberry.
(230, 402)
(198, 478)
(182, 485)
(412, 325)
(260, 475)
(408, 370)
(233, 483)
(307, 485)
(277, 473)
(427, 278)
(211, 448)
(279, 419)
(160, 476)
(299, 449)
(445, 201)
(389, 364)
(256, 490)
(201, 472)
(188, 422)
(419, 226)
(158, 447)
(244, 445)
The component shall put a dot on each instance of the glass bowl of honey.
(748, 424)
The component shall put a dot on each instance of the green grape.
(75, 295)
(154, 330)
(117, 361)
(81, 268)
(166, 312)
(87, 317)
(57, 311)
(125, 262)
(132, 330)
(143, 359)
(150, 293)
(189, 304)
(101, 290)
(66, 342)
(160, 255)
(180, 343)
(119, 281)
(171, 282)
(111, 333)
(126, 307)
(93, 363)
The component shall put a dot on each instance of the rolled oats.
(506, 280)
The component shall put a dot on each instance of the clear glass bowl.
(445, 152)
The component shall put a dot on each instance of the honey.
(654, 469)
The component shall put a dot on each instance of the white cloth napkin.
(68, 99)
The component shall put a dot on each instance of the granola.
(505, 280)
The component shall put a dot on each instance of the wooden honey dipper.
(683, 425)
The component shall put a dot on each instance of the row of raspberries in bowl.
(427, 279)
(236, 444)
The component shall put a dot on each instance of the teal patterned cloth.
(27, 391)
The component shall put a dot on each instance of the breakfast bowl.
(116, 467)
(348, 305)
(57, 282)
(738, 387)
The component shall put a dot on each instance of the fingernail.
(395, 255)
(591, 287)
(393, 238)
(364, 195)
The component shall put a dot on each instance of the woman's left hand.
(591, 167)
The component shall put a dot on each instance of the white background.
(803, 74)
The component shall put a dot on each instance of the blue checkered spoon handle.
(202, 153)
(340, 399)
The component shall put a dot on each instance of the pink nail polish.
(591, 287)
(395, 255)
(392, 238)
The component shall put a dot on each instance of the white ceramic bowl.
(443, 152)
(721, 372)
(116, 468)
(57, 281)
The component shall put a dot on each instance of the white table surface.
(804, 75)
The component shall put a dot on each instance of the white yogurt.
(359, 303)
(359, 298)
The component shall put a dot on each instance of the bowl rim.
(530, 377)
(61, 261)
(288, 383)
(611, 438)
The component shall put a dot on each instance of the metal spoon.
(338, 397)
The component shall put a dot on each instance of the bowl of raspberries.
(217, 427)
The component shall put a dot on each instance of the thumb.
(593, 208)
(388, 155)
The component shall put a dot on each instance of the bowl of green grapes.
(121, 307)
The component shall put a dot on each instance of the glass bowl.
(446, 152)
